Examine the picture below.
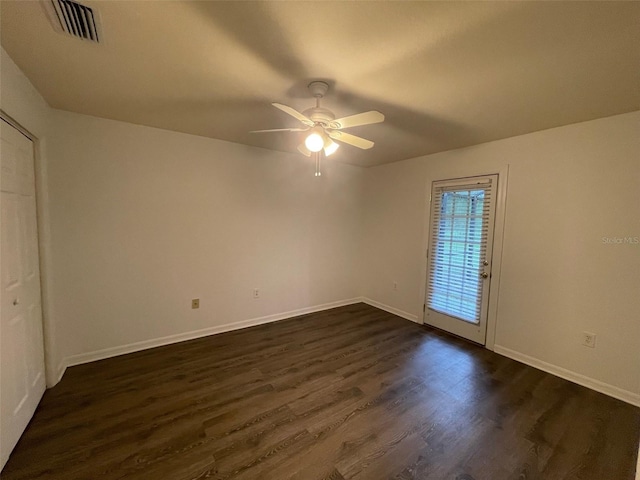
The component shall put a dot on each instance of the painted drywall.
(22, 102)
(144, 220)
(20, 99)
(569, 190)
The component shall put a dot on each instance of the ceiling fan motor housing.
(320, 115)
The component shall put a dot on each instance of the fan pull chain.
(318, 172)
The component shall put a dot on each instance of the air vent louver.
(75, 19)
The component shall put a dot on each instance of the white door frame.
(53, 372)
(498, 240)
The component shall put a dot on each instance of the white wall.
(20, 99)
(22, 102)
(568, 187)
(143, 220)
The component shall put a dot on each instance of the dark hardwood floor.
(350, 393)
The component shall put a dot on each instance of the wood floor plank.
(345, 394)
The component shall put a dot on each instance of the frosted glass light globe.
(330, 147)
(314, 142)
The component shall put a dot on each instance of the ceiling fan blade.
(280, 130)
(365, 118)
(350, 139)
(304, 150)
(294, 113)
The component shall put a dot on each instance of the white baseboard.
(181, 337)
(387, 308)
(53, 373)
(598, 386)
(62, 367)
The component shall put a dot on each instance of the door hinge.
(424, 307)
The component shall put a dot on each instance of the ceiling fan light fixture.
(314, 141)
(330, 147)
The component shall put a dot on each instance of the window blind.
(458, 245)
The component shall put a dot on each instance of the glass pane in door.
(456, 287)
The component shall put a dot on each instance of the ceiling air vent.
(74, 19)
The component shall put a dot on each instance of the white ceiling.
(445, 74)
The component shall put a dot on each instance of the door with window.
(460, 255)
(22, 381)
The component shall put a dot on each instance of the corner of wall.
(400, 313)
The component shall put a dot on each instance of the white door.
(22, 380)
(460, 254)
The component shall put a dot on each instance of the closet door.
(22, 379)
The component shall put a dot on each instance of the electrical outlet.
(195, 303)
(589, 339)
(256, 293)
(395, 285)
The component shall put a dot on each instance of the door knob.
(484, 275)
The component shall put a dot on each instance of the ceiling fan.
(324, 127)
